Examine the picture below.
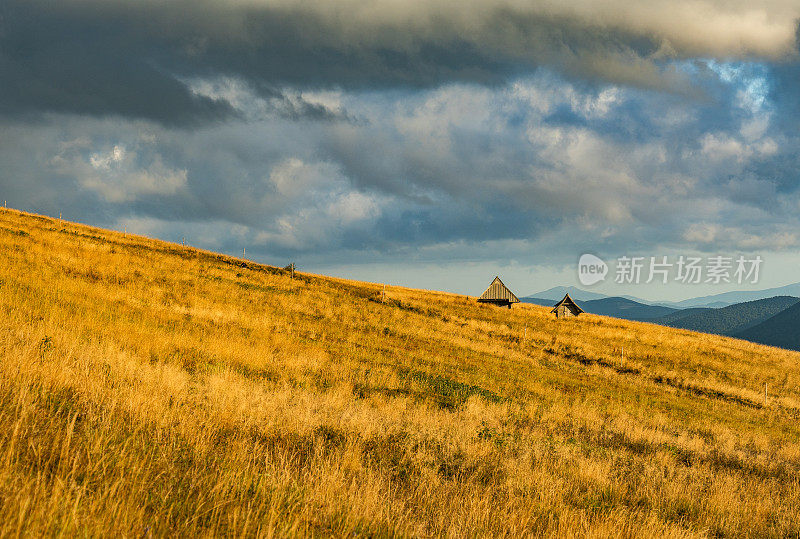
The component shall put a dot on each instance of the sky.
(432, 144)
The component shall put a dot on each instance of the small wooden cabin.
(566, 308)
(498, 294)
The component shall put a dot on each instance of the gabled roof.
(497, 291)
(568, 301)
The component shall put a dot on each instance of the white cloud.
(701, 233)
(267, 102)
(354, 207)
(116, 173)
(722, 147)
(295, 179)
(104, 161)
(738, 237)
(318, 205)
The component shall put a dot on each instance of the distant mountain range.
(773, 320)
(729, 298)
(730, 320)
(713, 301)
(618, 307)
(557, 292)
(625, 308)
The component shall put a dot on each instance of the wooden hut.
(498, 294)
(566, 308)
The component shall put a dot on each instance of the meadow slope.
(152, 389)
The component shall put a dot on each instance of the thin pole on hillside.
(244, 251)
(196, 279)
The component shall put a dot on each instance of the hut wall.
(563, 312)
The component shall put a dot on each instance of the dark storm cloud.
(132, 58)
(111, 60)
(57, 60)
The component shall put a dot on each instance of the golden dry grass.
(152, 389)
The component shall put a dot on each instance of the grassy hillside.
(152, 389)
(733, 319)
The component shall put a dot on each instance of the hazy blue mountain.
(781, 330)
(729, 320)
(646, 301)
(721, 300)
(539, 301)
(717, 304)
(557, 292)
(619, 307)
(729, 298)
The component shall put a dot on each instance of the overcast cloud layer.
(411, 133)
